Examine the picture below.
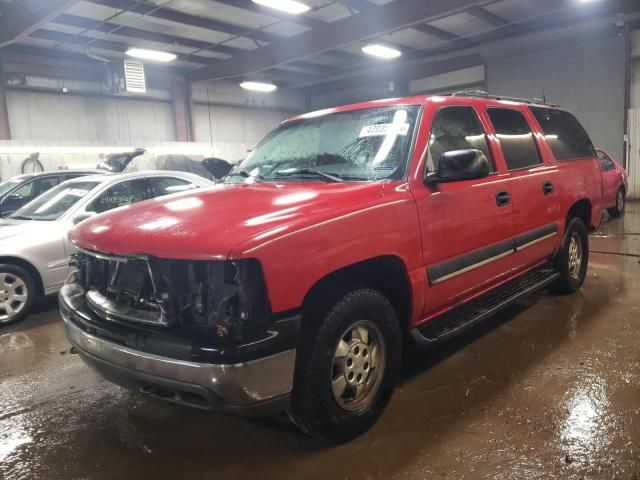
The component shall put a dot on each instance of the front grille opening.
(224, 299)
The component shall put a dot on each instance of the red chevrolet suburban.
(345, 235)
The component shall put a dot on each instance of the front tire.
(618, 210)
(572, 260)
(17, 293)
(347, 371)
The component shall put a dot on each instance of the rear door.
(533, 186)
(466, 226)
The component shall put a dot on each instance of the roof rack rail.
(482, 93)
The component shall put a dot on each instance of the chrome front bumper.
(255, 387)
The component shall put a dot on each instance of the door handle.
(503, 198)
(547, 188)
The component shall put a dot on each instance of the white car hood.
(15, 233)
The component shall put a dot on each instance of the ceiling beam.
(18, 20)
(138, 33)
(249, 6)
(387, 18)
(109, 45)
(492, 19)
(169, 14)
(45, 62)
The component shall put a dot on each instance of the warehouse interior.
(548, 388)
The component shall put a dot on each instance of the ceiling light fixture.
(258, 86)
(381, 51)
(151, 55)
(289, 6)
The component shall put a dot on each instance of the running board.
(468, 314)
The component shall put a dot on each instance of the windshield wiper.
(308, 171)
(245, 174)
(19, 217)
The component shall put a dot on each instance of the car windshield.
(9, 184)
(362, 145)
(53, 203)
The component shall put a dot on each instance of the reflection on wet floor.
(550, 388)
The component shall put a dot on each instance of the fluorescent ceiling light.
(151, 55)
(258, 86)
(381, 51)
(289, 6)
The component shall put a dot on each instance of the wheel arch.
(28, 266)
(582, 209)
(387, 274)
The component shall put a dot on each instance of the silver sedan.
(34, 250)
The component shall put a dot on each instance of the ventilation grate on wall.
(134, 77)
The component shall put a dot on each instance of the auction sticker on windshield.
(384, 129)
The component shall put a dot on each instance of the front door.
(466, 226)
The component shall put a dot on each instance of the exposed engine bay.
(227, 298)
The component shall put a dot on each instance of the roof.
(455, 98)
(236, 38)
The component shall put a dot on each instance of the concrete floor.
(548, 389)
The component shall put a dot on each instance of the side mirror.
(83, 216)
(457, 165)
(14, 196)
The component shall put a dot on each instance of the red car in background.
(615, 183)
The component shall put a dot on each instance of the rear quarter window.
(564, 134)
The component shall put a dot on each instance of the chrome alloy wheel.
(13, 296)
(358, 366)
(575, 256)
(620, 201)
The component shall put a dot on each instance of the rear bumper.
(256, 387)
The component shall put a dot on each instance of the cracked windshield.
(360, 145)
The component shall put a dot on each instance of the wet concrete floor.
(548, 389)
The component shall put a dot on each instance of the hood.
(16, 234)
(207, 223)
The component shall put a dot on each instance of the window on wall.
(516, 138)
(566, 137)
(455, 128)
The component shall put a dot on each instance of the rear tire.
(618, 210)
(572, 260)
(348, 368)
(17, 293)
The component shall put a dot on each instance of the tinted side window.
(26, 191)
(606, 164)
(166, 185)
(44, 184)
(455, 128)
(564, 134)
(123, 193)
(516, 138)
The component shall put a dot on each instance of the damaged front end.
(225, 297)
(193, 332)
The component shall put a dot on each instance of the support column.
(5, 130)
(182, 103)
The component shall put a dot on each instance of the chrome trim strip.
(115, 258)
(240, 384)
(472, 267)
(537, 240)
(112, 311)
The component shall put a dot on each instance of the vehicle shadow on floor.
(437, 393)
